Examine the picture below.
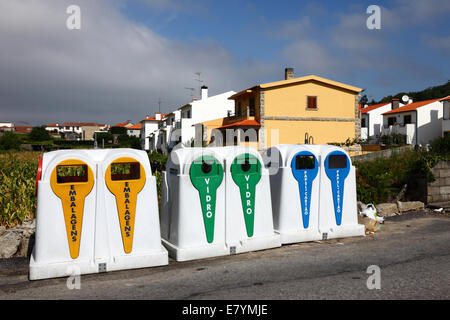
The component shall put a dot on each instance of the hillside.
(427, 94)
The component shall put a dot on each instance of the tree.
(9, 141)
(105, 136)
(119, 130)
(363, 101)
(125, 141)
(39, 134)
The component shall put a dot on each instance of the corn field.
(17, 186)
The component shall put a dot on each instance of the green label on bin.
(206, 175)
(246, 173)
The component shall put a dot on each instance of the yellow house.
(292, 111)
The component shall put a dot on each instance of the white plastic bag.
(371, 212)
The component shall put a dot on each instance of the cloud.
(110, 70)
(440, 44)
(380, 60)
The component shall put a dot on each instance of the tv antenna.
(199, 80)
(192, 91)
(159, 105)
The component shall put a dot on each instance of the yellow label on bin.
(125, 178)
(72, 180)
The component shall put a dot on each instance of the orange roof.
(373, 107)
(123, 124)
(445, 99)
(53, 125)
(412, 106)
(23, 129)
(135, 127)
(80, 124)
(244, 123)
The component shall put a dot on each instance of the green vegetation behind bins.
(10, 141)
(17, 187)
(381, 180)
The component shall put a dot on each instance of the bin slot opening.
(125, 171)
(248, 164)
(304, 162)
(71, 173)
(206, 167)
(337, 162)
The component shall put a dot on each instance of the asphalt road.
(412, 252)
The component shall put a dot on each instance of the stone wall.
(439, 190)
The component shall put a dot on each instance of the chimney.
(288, 73)
(395, 103)
(158, 115)
(204, 92)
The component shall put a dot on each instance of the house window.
(363, 123)
(251, 105)
(407, 119)
(239, 109)
(311, 102)
(188, 114)
(392, 121)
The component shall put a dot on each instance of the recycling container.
(338, 207)
(249, 222)
(81, 207)
(193, 204)
(295, 182)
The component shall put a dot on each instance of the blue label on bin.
(305, 167)
(337, 167)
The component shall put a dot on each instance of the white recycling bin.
(249, 222)
(193, 204)
(97, 211)
(338, 207)
(295, 183)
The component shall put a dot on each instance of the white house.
(54, 127)
(134, 130)
(198, 111)
(74, 127)
(150, 131)
(446, 116)
(420, 121)
(372, 118)
(6, 126)
(169, 132)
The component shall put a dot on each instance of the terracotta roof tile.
(412, 106)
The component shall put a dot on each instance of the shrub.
(441, 146)
(157, 161)
(380, 180)
(9, 141)
(39, 134)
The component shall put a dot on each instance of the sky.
(130, 54)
